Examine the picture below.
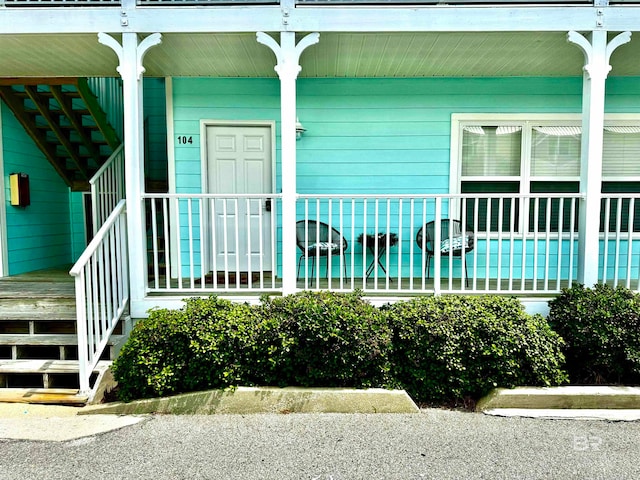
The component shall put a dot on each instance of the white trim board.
(337, 18)
(171, 153)
(4, 257)
(140, 309)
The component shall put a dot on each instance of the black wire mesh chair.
(316, 239)
(451, 242)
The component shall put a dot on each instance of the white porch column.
(130, 54)
(287, 67)
(597, 53)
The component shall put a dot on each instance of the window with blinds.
(494, 151)
(555, 151)
(621, 152)
(543, 157)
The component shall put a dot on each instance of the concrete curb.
(248, 400)
(569, 397)
(588, 402)
(564, 414)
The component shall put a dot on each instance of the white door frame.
(4, 257)
(204, 124)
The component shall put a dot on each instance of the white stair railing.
(102, 290)
(107, 188)
(108, 90)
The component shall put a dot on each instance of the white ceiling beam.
(444, 18)
(140, 20)
(59, 20)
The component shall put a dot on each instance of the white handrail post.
(81, 313)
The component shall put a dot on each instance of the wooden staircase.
(66, 122)
(38, 341)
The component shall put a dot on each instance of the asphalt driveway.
(434, 444)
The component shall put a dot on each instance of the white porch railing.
(102, 290)
(513, 243)
(107, 188)
(212, 242)
(620, 240)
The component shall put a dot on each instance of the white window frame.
(527, 120)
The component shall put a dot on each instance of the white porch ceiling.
(337, 55)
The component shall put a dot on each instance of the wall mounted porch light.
(299, 129)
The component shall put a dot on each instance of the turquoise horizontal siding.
(155, 116)
(393, 135)
(375, 136)
(78, 224)
(38, 236)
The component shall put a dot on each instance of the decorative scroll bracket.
(591, 65)
(288, 59)
(141, 50)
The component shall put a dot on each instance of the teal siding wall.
(155, 116)
(393, 135)
(196, 99)
(77, 224)
(378, 136)
(38, 236)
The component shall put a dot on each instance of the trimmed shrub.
(204, 345)
(601, 328)
(449, 348)
(324, 339)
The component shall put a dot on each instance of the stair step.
(48, 339)
(45, 374)
(50, 347)
(38, 309)
(38, 366)
(49, 396)
(38, 290)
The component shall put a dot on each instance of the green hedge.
(440, 349)
(207, 344)
(601, 328)
(325, 339)
(449, 348)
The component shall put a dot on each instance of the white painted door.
(238, 162)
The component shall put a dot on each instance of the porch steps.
(58, 347)
(38, 339)
(48, 381)
(47, 396)
(44, 374)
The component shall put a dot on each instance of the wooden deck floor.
(56, 274)
(54, 282)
